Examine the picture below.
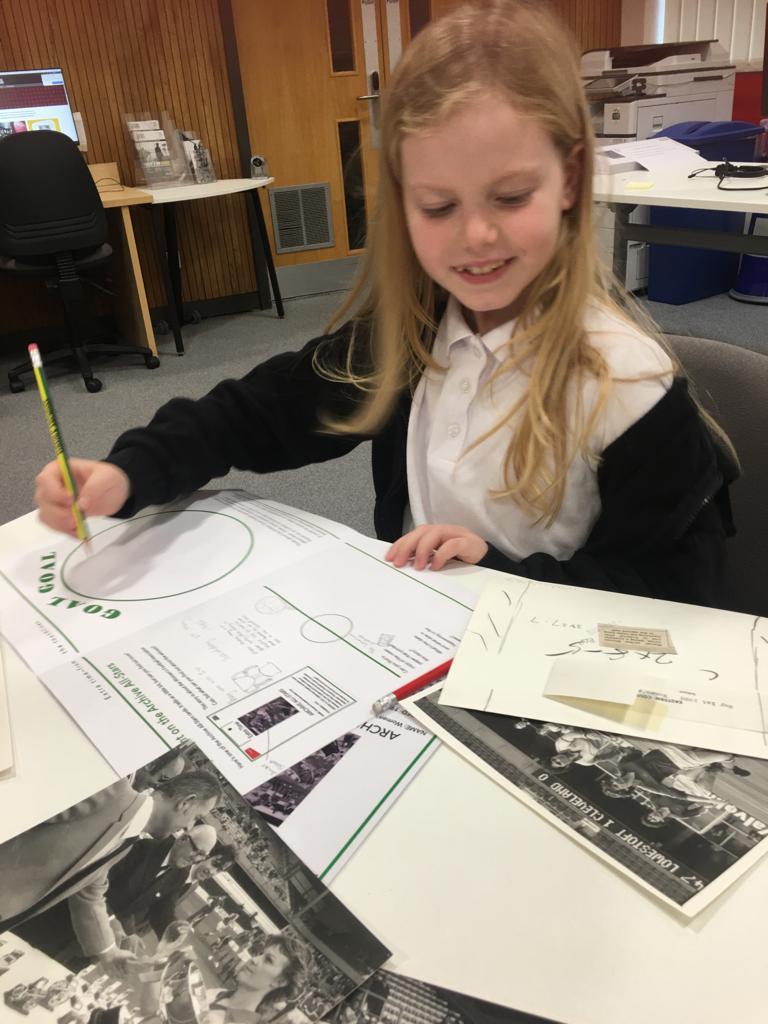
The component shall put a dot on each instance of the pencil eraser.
(639, 184)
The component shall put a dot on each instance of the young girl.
(520, 420)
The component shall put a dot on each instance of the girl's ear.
(574, 168)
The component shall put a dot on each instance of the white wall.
(738, 24)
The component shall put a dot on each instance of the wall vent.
(301, 217)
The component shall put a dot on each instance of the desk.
(680, 192)
(470, 889)
(131, 299)
(164, 221)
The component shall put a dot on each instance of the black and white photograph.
(165, 899)
(278, 797)
(153, 153)
(268, 715)
(388, 998)
(683, 821)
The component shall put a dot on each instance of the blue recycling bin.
(677, 274)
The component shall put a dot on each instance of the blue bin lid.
(693, 133)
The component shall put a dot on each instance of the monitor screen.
(35, 100)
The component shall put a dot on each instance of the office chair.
(732, 384)
(52, 224)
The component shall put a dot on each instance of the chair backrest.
(49, 202)
(732, 384)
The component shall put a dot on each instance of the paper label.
(635, 638)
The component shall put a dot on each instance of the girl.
(520, 420)
(266, 988)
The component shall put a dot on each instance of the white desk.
(678, 191)
(163, 210)
(470, 889)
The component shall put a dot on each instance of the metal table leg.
(164, 221)
(262, 254)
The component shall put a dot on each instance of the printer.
(636, 91)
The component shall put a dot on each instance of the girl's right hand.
(103, 490)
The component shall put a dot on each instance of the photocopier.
(636, 91)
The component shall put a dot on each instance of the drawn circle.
(140, 561)
(326, 629)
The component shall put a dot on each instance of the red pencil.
(384, 703)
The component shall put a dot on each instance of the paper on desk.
(534, 649)
(257, 630)
(324, 806)
(654, 155)
(640, 698)
(684, 823)
(6, 741)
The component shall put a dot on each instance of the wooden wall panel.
(139, 55)
(595, 23)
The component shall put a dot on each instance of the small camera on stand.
(259, 167)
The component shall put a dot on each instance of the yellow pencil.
(83, 532)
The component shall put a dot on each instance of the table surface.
(469, 888)
(123, 195)
(679, 191)
(183, 193)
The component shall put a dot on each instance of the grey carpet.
(229, 346)
(217, 348)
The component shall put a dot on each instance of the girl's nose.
(480, 229)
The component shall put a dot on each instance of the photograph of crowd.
(166, 899)
(388, 998)
(677, 818)
(268, 715)
(278, 797)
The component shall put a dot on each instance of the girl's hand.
(436, 544)
(104, 489)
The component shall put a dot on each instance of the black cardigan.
(663, 483)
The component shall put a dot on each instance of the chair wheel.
(92, 384)
(161, 327)
(152, 362)
(16, 385)
(195, 316)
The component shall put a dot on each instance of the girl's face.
(264, 972)
(484, 193)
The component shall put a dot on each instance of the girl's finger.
(428, 541)
(450, 549)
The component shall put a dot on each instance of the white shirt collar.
(454, 328)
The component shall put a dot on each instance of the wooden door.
(309, 69)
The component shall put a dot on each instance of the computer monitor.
(35, 100)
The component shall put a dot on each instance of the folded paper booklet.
(630, 665)
(213, 917)
(274, 644)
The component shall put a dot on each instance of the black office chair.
(52, 223)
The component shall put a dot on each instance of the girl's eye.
(437, 211)
(518, 200)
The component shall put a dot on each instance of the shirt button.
(453, 430)
(465, 385)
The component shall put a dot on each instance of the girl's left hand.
(437, 543)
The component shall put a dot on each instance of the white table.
(163, 208)
(676, 190)
(470, 889)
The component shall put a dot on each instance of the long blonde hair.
(520, 51)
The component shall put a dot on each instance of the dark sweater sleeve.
(664, 513)
(269, 420)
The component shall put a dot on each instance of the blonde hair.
(519, 51)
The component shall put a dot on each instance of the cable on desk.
(729, 170)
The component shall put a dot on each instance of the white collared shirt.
(451, 409)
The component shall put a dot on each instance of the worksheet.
(632, 665)
(325, 805)
(69, 597)
(299, 628)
